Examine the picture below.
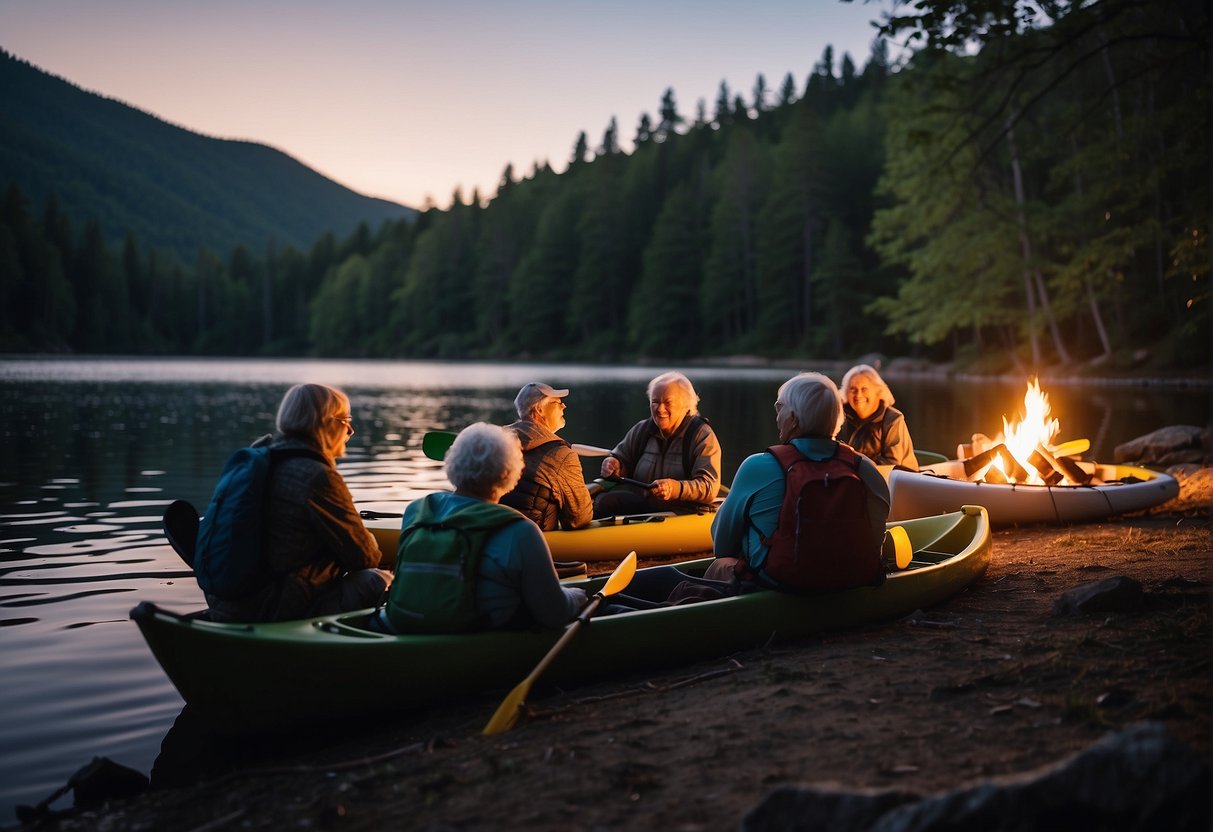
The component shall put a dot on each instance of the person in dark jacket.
(321, 556)
(675, 451)
(871, 425)
(552, 490)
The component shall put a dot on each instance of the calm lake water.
(92, 450)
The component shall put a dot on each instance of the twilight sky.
(402, 99)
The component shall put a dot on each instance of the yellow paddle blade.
(621, 577)
(1072, 448)
(903, 552)
(507, 713)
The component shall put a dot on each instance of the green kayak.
(288, 672)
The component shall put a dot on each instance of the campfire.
(1024, 453)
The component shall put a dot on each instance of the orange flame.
(1021, 437)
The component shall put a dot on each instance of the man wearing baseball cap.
(552, 490)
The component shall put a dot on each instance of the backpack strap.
(786, 455)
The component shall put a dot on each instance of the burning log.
(1063, 467)
(995, 475)
(982, 467)
(1047, 472)
(1011, 467)
(975, 466)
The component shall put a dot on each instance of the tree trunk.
(1032, 275)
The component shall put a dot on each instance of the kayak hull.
(941, 488)
(280, 673)
(649, 535)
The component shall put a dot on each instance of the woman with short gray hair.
(674, 453)
(515, 581)
(484, 462)
(871, 425)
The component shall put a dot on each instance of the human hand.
(665, 489)
(610, 467)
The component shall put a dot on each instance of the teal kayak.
(281, 673)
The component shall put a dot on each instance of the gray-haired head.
(881, 390)
(533, 394)
(484, 461)
(678, 380)
(814, 400)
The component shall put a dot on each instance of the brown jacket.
(552, 489)
(313, 535)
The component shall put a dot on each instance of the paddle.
(629, 481)
(507, 713)
(181, 528)
(436, 443)
(1072, 448)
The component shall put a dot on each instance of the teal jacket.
(751, 509)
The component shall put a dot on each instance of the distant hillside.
(173, 188)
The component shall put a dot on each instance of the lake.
(94, 449)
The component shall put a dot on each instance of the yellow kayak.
(650, 535)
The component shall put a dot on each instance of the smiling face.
(669, 405)
(862, 395)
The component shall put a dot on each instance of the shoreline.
(991, 683)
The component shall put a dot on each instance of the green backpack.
(437, 564)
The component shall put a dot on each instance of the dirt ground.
(988, 683)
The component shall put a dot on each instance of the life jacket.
(824, 538)
(229, 559)
(693, 424)
(531, 497)
(438, 564)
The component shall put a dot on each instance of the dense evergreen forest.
(1011, 194)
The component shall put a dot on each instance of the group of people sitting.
(513, 482)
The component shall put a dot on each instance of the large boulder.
(1137, 780)
(1166, 446)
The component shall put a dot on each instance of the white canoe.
(942, 487)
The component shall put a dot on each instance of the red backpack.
(824, 539)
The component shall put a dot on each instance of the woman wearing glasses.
(319, 553)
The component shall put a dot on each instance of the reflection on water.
(92, 451)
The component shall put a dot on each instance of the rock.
(1138, 779)
(1166, 446)
(1118, 594)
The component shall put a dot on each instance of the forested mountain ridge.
(174, 189)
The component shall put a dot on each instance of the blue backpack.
(229, 562)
